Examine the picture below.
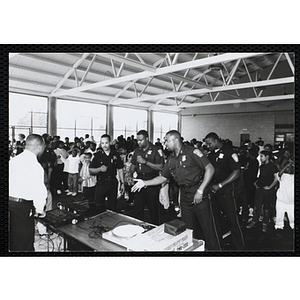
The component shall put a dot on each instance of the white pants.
(281, 209)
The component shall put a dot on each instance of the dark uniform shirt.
(225, 161)
(112, 162)
(152, 154)
(266, 175)
(187, 168)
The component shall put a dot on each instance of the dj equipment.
(70, 213)
(56, 217)
(175, 227)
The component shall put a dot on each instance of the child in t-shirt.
(72, 167)
(285, 196)
(265, 190)
(88, 180)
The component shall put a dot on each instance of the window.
(27, 114)
(163, 122)
(128, 122)
(76, 119)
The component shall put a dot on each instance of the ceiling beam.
(234, 101)
(45, 60)
(35, 71)
(271, 72)
(228, 80)
(122, 66)
(120, 92)
(290, 63)
(187, 80)
(162, 71)
(127, 61)
(151, 68)
(42, 84)
(140, 58)
(71, 70)
(27, 81)
(214, 89)
(254, 63)
(87, 70)
(249, 76)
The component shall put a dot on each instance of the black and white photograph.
(169, 152)
(149, 150)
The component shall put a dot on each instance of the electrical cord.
(99, 229)
(50, 244)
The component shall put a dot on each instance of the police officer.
(227, 170)
(147, 160)
(193, 172)
(105, 165)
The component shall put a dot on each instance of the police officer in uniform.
(227, 170)
(147, 160)
(193, 172)
(105, 164)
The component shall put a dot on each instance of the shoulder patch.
(235, 157)
(198, 152)
(160, 152)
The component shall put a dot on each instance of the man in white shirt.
(27, 194)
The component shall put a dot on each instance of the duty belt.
(147, 176)
(187, 186)
(108, 178)
(14, 199)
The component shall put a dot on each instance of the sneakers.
(58, 192)
(69, 193)
(251, 225)
(251, 212)
(74, 194)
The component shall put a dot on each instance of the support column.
(110, 121)
(52, 116)
(150, 125)
(179, 124)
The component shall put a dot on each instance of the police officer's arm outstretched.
(174, 144)
(141, 183)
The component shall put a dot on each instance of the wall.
(232, 125)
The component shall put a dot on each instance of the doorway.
(244, 137)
